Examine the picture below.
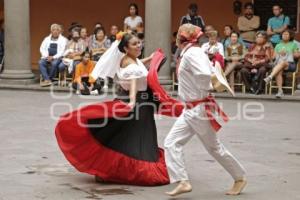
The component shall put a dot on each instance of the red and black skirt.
(116, 143)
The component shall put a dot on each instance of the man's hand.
(253, 71)
(50, 58)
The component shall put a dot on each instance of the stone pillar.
(158, 32)
(17, 68)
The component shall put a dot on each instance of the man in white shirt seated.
(213, 45)
(51, 49)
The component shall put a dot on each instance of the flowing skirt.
(116, 143)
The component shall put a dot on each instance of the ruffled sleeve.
(133, 71)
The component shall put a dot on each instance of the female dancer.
(117, 140)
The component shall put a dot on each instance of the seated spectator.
(204, 38)
(51, 49)
(248, 24)
(113, 33)
(73, 26)
(192, 17)
(277, 24)
(72, 55)
(83, 83)
(133, 22)
(213, 46)
(286, 54)
(96, 26)
(228, 29)
(84, 36)
(257, 63)
(99, 45)
(234, 56)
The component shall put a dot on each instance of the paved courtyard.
(264, 136)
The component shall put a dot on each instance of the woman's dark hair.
(74, 25)
(249, 4)
(86, 52)
(99, 24)
(229, 26)
(291, 33)
(125, 41)
(193, 7)
(136, 8)
(263, 33)
(234, 32)
(278, 5)
(97, 30)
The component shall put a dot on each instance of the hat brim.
(219, 80)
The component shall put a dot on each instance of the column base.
(17, 77)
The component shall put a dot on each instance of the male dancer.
(195, 73)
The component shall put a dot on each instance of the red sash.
(172, 107)
(210, 107)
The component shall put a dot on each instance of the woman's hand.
(151, 56)
(148, 59)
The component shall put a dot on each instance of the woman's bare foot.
(237, 188)
(182, 187)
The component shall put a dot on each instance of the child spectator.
(83, 83)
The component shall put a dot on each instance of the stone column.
(17, 68)
(158, 32)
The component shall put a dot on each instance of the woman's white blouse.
(133, 22)
(133, 71)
